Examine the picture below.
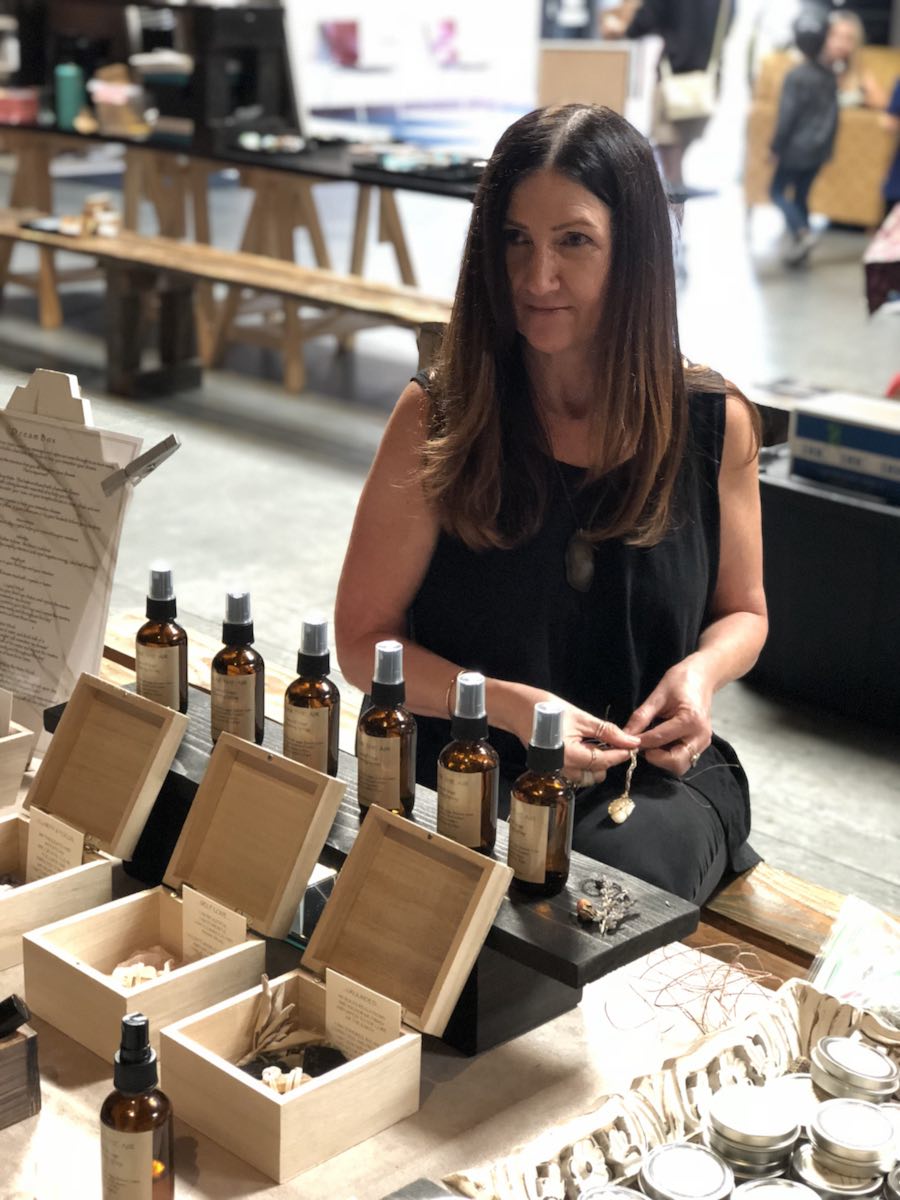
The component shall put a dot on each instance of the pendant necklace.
(579, 556)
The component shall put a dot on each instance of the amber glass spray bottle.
(542, 810)
(237, 680)
(469, 771)
(160, 648)
(136, 1143)
(312, 703)
(386, 738)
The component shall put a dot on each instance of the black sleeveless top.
(512, 615)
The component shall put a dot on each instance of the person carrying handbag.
(693, 33)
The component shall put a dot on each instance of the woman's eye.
(514, 237)
(574, 238)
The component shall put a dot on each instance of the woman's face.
(842, 42)
(558, 252)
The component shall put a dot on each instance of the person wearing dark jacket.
(804, 133)
(688, 31)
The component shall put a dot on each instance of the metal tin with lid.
(746, 1116)
(758, 1174)
(843, 1166)
(775, 1189)
(891, 1110)
(685, 1171)
(747, 1152)
(605, 1191)
(892, 1185)
(796, 1093)
(860, 1064)
(826, 1184)
(854, 1132)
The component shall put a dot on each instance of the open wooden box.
(15, 751)
(250, 842)
(100, 775)
(407, 918)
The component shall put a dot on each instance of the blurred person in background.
(804, 133)
(856, 88)
(891, 121)
(688, 30)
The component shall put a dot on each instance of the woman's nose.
(542, 274)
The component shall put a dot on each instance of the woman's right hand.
(592, 745)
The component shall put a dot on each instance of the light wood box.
(15, 751)
(251, 840)
(101, 774)
(407, 918)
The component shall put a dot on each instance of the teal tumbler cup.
(68, 81)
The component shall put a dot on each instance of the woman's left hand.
(681, 704)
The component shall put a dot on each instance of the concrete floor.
(265, 485)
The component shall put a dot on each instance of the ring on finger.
(693, 754)
(593, 759)
(601, 725)
(587, 779)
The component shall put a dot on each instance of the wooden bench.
(780, 919)
(136, 264)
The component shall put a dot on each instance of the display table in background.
(832, 579)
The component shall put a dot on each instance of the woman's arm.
(391, 544)
(730, 644)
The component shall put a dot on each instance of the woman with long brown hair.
(563, 505)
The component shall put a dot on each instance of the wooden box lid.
(106, 763)
(408, 915)
(254, 833)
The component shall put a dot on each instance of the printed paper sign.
(53, 846)
(208, 926)
(58, 553)
(356, 1018)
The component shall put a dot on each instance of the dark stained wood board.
(542, 934)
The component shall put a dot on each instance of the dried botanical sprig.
(610, 908)
(273, 1027)
(622, 807)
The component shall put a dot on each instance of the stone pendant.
(579, 562)
(621, 809)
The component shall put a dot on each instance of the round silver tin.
(743, 1174)
(892, 1185)
(843, 1166)
(826, 1184)
(726, 1146)
(796, 1093)
(603, 1191)
(858, 1064)
(891, 1109)
(775, 1189)
(836, 1085)
(749, 1156)
(685, 1171)
(855, 1131)
(747, 1116)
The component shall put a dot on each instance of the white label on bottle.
(306, 735)
(528, 834)
(379, 771)
(233, 704)
(157, 671)
(127, 1164)
(459, 805)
